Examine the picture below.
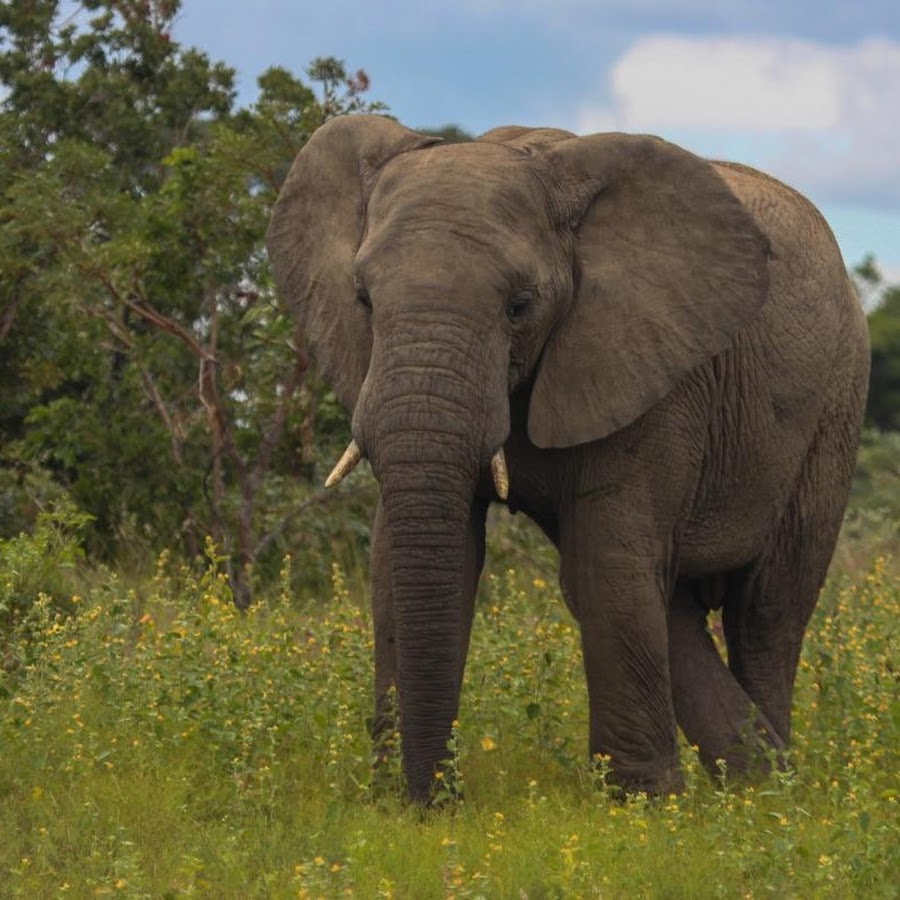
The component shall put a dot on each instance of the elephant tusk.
(501, 475)
(346, 464)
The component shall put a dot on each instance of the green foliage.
(883, 410)
(877, 483)
(873, 513)
(149, 370)
(41, 566)
(158, 743)
(450, 134)
(882, 301)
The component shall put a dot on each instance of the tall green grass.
(156, 743)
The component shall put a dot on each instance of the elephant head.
(434, 281)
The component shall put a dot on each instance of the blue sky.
(808, 90)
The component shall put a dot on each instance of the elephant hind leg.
(766, 613)
(712, 709)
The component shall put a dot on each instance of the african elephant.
(658, 358)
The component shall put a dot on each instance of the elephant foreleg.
(612, 584)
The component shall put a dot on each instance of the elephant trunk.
(427, 529)
(424, 432)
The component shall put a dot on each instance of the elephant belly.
(723, 541)
(748, 480)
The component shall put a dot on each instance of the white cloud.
(824, 118)
(729, 83)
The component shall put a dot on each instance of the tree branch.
(176, 436)
(147, 312)
(272, 434)
(8, 317)
(166, 324)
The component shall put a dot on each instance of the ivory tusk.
(346, 464)
(501, 475)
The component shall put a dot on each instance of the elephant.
(658, 358)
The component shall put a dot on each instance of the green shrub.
(44, 562)
(876, 485)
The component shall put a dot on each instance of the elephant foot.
(622, 781)
(751, 757)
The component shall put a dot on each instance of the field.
(156, 743)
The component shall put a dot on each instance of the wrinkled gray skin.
(671, 355)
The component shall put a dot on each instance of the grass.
(156, 743)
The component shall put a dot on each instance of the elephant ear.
(316, 228)
(668, 267)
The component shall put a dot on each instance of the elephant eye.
(517, 305)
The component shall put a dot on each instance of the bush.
(43, 563)
(876, 485)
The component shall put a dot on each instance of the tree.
(883, 408)
(153, 376)
(883, 303)
(449, 134)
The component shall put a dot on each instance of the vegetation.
(884, 326)
(159, 743)
(147, 371)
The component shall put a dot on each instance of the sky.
(807, 90)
